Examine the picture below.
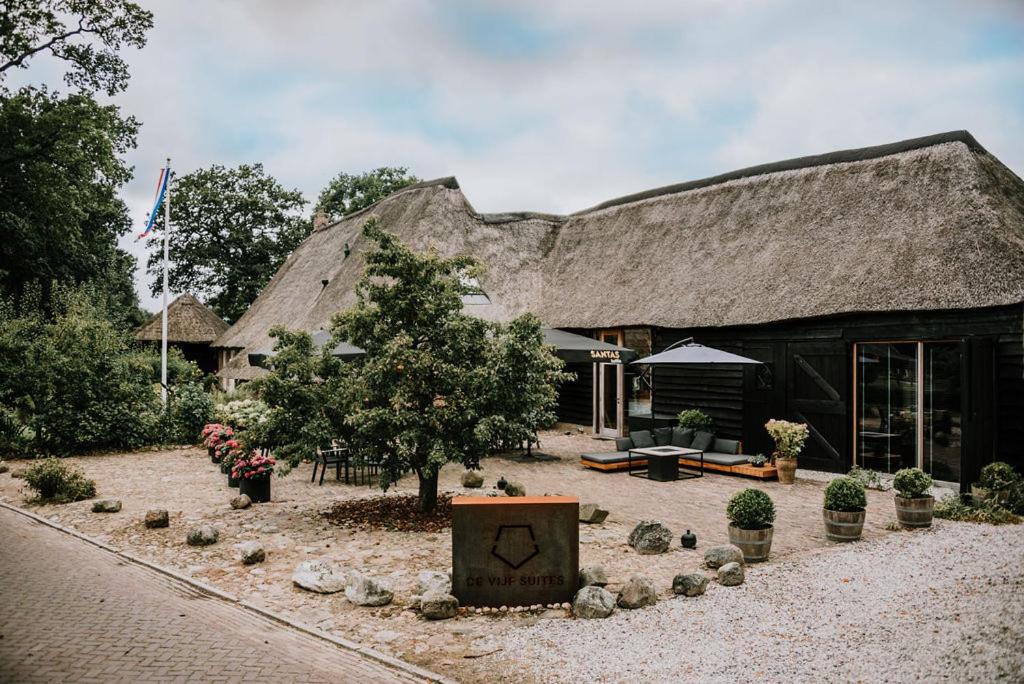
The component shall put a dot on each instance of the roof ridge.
(449, 182)
(810, 161)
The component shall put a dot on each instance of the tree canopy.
(347, 193)
(86, 34)
(231, 229)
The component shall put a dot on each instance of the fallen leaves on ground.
(399, 513)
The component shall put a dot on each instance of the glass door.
(610, 399)
(942, 410)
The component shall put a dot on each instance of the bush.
(1014, 500)
(997, 477)
(789, 437)
(58, 482)
(751, 509)
(192, 408)
(15, 437)
(241, 414)
(954, 508)
(911, 483)
(845, 494)
(871, 479)
(696, 420)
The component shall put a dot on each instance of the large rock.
(157, 518)
(368, 591)
(319, 576)
(593, 602)
(204, 535)
(592, 513)
(693, 584)
(438, 606)
(3, 468)
(593, 576)
(431, 581)
(251, 553)
(106, 506)
(515, 489)
(241, 501)
(650, 536)
(717, 556)
(472, 479)
(730, 575)
(638, 592)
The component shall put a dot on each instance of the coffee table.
(663, 463)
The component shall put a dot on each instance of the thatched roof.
(188, 321)
(930, 223)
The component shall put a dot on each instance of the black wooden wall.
(575, 398)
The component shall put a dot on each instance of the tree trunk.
(428, 492)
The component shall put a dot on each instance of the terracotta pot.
(755, 544)
(787, 470)
(914, 512)
(843, 526)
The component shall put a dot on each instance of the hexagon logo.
(514, 545)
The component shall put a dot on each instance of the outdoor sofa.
(722, 455)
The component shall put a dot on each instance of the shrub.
(1014, 500)
(997, 477)
(751, 509)
(871, 479)
(15, 437)
(789, 437)
(954, 508)
(253, 467)
(696, 420)
(192, 408)
(56, 481)
(845, 494)
(911, 483)
(242, 414)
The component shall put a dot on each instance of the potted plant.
(844, 509)
(751, 513)
(995, 481)
(696, 420)
(228, 453)
(253, 473)
(757, 460)
(914, 506)
(789, 441)
(215, 434)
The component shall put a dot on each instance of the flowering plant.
(789, 437)
(242, 413)
(254, 466)
(214, 434)
(228, 452)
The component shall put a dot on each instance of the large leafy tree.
(86, 34)
(231, 229)
(347, 193)
(60, 214)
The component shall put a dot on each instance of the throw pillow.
(642, 439)
(702, 441)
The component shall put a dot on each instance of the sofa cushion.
(623, 443)
(682, 437)
(702, 441)
(606, 458)
(724, 459)
(662, 436)
(726, 446)
(642, 439)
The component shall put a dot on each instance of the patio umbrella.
(343, 350)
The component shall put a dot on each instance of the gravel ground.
(943, 604)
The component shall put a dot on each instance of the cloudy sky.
(555, 106)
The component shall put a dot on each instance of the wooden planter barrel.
(914, 512)
(787, 470)
(257, 489)
(843, 526)
(755, 544)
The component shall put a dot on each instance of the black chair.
(337, 457)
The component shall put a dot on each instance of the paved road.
(72, 612)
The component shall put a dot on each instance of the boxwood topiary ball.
(845, 494)
(751, 509)
(911, 483)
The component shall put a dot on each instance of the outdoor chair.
(336, 456)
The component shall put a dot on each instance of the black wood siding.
(575, 398)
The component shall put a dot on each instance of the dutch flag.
(161, 190)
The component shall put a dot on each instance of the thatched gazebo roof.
(188, 321)
(924, 224)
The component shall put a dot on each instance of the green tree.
(347, 193)
(232, 228)
(60, 216)
(86, 34)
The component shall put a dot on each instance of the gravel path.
(945, 604)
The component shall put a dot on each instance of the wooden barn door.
(817, 395)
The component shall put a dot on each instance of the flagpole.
(163, 322)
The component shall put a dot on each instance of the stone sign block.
(515, 551)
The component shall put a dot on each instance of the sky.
(555, 106)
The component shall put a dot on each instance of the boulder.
(241, 501)
(431, 581)
(204, 535)
(3, 468)
(593, 576)
(368, 591)
(515, 489)
(438, 606)
(472, 479)
(251, 553)
(638, 592)
(593, 602)
(157, 518)
(693, 584)
(592, 513)
(650, 536)
(106, 506)
(717, 556)
(730, 575)
(319, 576)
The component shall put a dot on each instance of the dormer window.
(475, 294)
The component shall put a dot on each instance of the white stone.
(319, 576)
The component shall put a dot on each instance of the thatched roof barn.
(191, 326)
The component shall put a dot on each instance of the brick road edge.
(345, 644)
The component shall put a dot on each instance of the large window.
(908, 407)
